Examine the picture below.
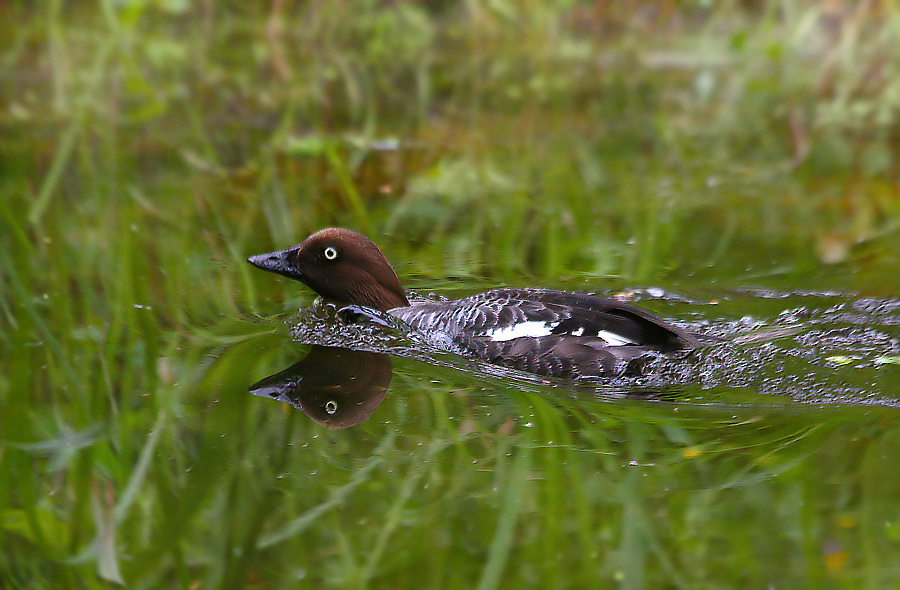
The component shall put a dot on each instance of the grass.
(148, 147)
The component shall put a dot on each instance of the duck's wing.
(507, 314)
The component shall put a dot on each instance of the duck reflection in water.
(336, 387)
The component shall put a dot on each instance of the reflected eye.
(331, 406)
(330, 253)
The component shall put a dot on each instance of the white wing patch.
(614, 339)
(537, 329)
(534, 329)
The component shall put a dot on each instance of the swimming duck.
(542, 331)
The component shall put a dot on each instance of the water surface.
(758, 463)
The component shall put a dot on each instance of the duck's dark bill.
(277, 262)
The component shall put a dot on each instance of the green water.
(731, 168)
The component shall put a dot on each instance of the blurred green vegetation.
(148, 146)
(531, 137)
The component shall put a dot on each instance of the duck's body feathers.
(554, 333)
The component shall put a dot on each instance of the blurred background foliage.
(525, 137)
(148, 146)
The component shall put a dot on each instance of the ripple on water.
(818, 347)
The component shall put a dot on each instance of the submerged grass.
(148, 147)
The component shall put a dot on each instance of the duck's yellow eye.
(330, 253)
